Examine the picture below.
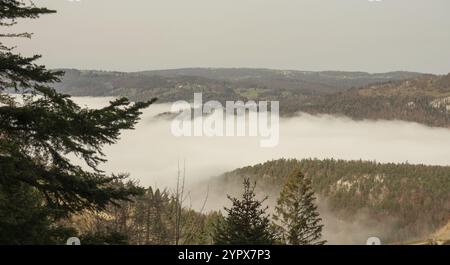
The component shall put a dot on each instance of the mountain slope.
(404, 96)
(425, 100)
(412, 200)
(219, 84)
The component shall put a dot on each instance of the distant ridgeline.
(405, 96)
(424, 100)
(416, 197)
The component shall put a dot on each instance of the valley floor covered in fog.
(150, 154)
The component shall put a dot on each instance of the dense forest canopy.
(417, 197)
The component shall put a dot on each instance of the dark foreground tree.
(296, 212)
(40, 129)
(23, 220)
(246, 223)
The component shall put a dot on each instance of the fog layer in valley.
(150, 153)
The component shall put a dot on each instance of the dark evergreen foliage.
(246, 223)
(415, 198)
(40, 129)
(296, 212)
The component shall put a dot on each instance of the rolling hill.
(425, 99)
(421, 98)
(229, 84)
(405, 201)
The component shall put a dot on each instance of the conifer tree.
(23, 220)
(40, 128)
(246, 223)
(296, 212)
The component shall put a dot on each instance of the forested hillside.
(60, 180)
(219, 84)
(404, 96)
(425, 100)
(416, 197)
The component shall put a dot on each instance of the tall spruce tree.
(296, 212)
(246, 223)
(40, 129)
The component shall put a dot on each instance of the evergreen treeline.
(414, 108)
(416, 196)
(151, 218)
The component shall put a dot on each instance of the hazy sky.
(137, 35)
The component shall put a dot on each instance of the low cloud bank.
(150, 153)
